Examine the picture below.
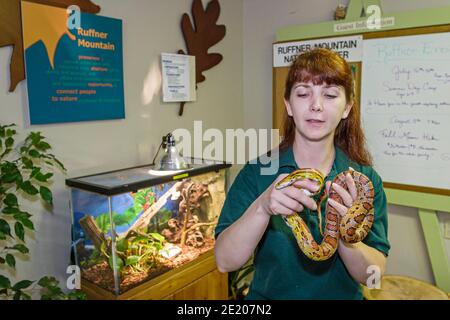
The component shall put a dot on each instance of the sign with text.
(72, 74)
(406, 108)
(178, 73)
(350, 48)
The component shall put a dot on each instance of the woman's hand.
(357, 257)
(348, 197)
(289, 200)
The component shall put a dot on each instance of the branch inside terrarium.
(144, 220)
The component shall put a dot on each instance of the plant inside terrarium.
(99, 229)
(139, 253)
(163, 228)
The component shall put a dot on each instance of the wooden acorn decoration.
(11, 30)
(202, 35)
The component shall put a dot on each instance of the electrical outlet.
(447, 229)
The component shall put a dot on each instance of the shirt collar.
(341, 161)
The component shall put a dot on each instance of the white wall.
(262, 18)
(237, 93)
(150, 27)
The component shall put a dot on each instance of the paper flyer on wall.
(178, 73)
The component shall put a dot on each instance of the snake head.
(302, 174)
(286, 182)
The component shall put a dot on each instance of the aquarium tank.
(132, 225)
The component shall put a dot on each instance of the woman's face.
(317, 109)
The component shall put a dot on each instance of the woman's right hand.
(289, 200)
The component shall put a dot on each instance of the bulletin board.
(403, 88)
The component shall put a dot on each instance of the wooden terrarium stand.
(196, 280)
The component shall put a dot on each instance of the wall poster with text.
(72, 74)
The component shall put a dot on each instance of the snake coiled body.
(353, 228)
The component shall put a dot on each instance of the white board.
(405, 101)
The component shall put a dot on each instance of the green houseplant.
(239, 281)
(25, 172)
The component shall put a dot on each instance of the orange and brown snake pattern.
(353, 228)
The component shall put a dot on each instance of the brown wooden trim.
(94, 292)
(274, 99)
(406, 32)
(406, 187)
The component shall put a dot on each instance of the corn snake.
(353, 228)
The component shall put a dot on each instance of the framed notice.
(72, 74)
(350, 48)
(178, 73)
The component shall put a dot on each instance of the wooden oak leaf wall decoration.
(202, 35)
(11, 30)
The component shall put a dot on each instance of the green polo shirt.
(282, 271)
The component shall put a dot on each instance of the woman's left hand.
(348, 197)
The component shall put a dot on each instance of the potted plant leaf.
(26, 169)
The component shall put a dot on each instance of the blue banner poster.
(72, 75)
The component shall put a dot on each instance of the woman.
(322, 130)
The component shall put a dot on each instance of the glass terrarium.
(132, 225)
